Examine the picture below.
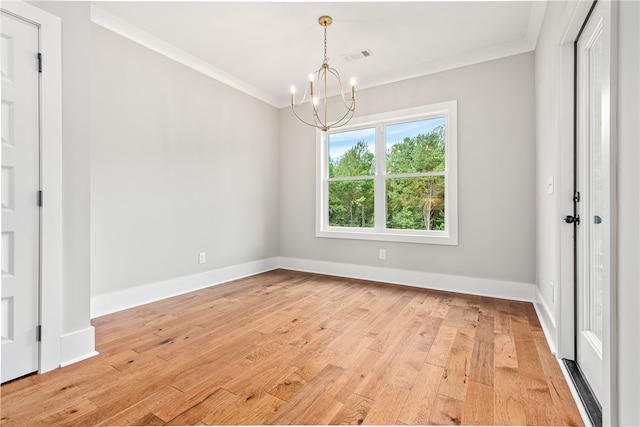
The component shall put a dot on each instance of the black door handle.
(569, 219)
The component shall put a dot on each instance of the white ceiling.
(263, 48)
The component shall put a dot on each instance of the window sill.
(431, 238)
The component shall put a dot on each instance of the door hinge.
(576, 197)
(40, 198)
(39, 333)
(39, 62)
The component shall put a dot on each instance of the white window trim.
(449, 236)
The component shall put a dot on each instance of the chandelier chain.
(326, 59)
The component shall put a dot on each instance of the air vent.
(361, 54)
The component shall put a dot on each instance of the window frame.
(449, 236)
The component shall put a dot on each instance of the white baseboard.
(128, 298)
(133, 297)
(77, 346)
(547, 321)
(467, 285)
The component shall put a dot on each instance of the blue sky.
(339, 143)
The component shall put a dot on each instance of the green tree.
(351, 202)
(416, 203)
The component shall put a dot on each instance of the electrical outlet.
(202, 258)
(382, 254)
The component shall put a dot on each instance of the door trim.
(572, 22)
(50, 178)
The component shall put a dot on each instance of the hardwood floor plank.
(287, 347)
(533, 385)
(306, 396)
(382, 371)
(446, 411)
(264, 376)
(408, 366)
(509, 406)
(567, 412)
(482, 365)
(68, 416)
(504, 352)
(321, 412)
(354, 411)
(428, 330)
(356, 374)
(143, 412)
(478, 405)
(218, 398)
(456, 371)
(419, 404)
(248, 409)
(439, 351)
(189, 374)
(196, 394)
(387, 407)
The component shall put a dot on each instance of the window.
(390, 177)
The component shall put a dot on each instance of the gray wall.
(76, 175)
(180, 164)
(496, 164)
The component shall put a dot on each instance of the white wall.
(496, 163)
(552, 159)
(181, 164)
(629, 214)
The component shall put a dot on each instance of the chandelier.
(317, 91)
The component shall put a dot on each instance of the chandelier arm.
(346, 117)
(338, 123)
(335, 73)
(321, 75)
(316, 118)
(301, 119)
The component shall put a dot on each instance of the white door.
(20, 189)
(593, 147)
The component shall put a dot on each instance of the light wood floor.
(295, 348)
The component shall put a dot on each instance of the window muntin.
(391, 177)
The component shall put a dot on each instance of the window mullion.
(380, 200)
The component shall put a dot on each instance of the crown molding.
(125, 29)
(527, 44)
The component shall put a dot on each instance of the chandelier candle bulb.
(293, 94)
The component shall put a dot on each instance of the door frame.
(50, 98)
(575, 16)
